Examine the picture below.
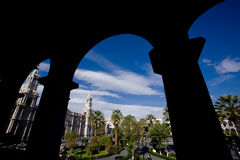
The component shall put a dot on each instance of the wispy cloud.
(39, 91)
(44, 67)
(154, 79)
(101, 61)
(208, 62)
(119, 81)
(83, 93)
(139, 111)
(223, 68)
(113, 83)
(228, 65)
(222, 78)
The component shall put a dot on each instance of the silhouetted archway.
(174, 56)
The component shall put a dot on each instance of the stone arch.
(181, 81)
(12, 77)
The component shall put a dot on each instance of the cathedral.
(22, 117)
(78, 122)
(25, 108)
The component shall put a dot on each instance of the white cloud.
(228, 65)
(207, 61)
(39, 91)
(94, 92)
(153, 78)
(101, 61)
(138, 111)
(222, 78)
(44, 67)
(78, 98)
(119, 81)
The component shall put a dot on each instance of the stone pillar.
(188, 101)
(11, 81)
(48, 126)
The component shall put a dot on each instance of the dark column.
(10, 84)
(48, 126)
(196, 130)
(9, 94)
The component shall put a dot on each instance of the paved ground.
(154, 157)
(124, 153)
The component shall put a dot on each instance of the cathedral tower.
(23, 115)
(87, 113)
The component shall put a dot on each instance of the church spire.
(31, 83)
(89, 101)
(89, 95)
(87, 112)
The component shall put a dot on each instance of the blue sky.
(118, 72)
(220, 59)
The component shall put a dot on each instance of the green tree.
(116, 119)
(93, 146)
(228, 107)
(84, 140)
(150, 118)
(159, 134)
(96, 120)
(140, 128)
(132, 131)
(127, 126)
(166, 115)
(71, 139)
(105, 141)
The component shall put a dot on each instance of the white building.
(24, 113)
(108, 126)
(78, 122)
(229, 126)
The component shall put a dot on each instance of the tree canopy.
(71, 139)
(97, 120)
(228, 107)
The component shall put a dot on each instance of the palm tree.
(166, 133)
(127, 126)
(116, 119)
(97, 120)
(142, 124)
(150, 117)
(131, 133)
(159, 134)
(228, 107)
(166, 115)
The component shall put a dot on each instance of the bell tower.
(87, 113)
(23, 115)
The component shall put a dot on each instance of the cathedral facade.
(22, 117)
(80, 122)
(25, 109)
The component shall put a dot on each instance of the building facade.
(228, 126)
(23, 115)
(80, 122)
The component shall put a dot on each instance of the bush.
(105, 141)
(160, 156)
(113, 149)
(71, 139)
(121, 158)
(93, 146)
